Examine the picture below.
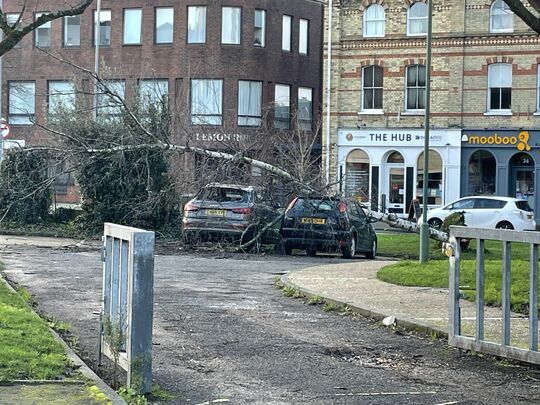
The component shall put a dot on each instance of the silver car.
(229, 211)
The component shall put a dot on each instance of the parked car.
(488, 212)
(322, 223)
(232, 212)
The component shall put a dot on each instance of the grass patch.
(403, 245)
(407, 246)
(435, 274)
(28, 350)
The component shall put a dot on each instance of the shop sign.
(521, 141)
(220, 137)
(397, 137)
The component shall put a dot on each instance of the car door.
(364, 236)
(486, 212)
(465, 205)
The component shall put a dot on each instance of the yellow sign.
(521, 141)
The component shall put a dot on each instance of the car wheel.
(311, 251)
(435, 223)
(371, 254)
(287, 250)
(504, 225)
(348, 252)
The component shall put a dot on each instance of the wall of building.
(463, 47)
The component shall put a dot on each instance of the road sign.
(4, 128)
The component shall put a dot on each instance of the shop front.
(385, 167)
(501, 162)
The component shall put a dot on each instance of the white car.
(488, 212)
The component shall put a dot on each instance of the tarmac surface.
(224, 332)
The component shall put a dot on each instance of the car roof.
(233, 186)
(492, 197)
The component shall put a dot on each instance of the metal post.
(424, 228)
(96, 56)
(480, 244)
(328, 88)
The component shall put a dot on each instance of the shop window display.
(357, 175)
(435, 174)
(482, 169)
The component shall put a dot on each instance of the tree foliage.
(130, 187)
(25, 194)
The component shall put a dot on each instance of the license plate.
(218, 213)
(315, 221)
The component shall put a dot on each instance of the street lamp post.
(424, 228)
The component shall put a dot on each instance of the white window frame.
(262, 28)
(305, 124)
(46, 26)
(502, 9)
(231, 35)
(64, 98)
(282, 101)
(500, 81)
(168, 14)
(196, 26)
(200, 112)
(303, 37)
(104, 17)
(414, 110)
(76, 42)
(132, 33)
(409, 18)
(372, 89)
(368, 20)
(16, 114)
(286, 33)
(245, 119)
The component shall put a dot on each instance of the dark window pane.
(506, 98)
(411, 76)
(421, 99)
(368, 76)
(495, 99)
(378, 76)
(421, 76)
(411, 99)
(368, 99)
(377, 99)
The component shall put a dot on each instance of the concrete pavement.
(422, 308)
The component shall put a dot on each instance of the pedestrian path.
(422, 308)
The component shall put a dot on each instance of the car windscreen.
(523, 205)
(224, 194)
(314, 205)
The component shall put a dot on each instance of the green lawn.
(435, 272)
(27, 348)
(407, 246)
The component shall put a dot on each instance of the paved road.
(223, 331)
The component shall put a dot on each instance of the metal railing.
(478, 342)
(127, 306)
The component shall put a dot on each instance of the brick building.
(485, 110)
(222, 62)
